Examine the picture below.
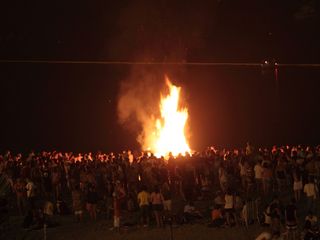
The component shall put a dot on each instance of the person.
(267, 217)
(20, 190)
(223, 178)
(191, 213)
(269, 236)
(291, 219)
(56, 182)
(297, 185)
(156, 200)
(258, 170)
(311, 219)
(77, 203)
(144, 201)
(229, 207)
(219, 199)
(217, 219)
(46, 182)
(275, 212)
(92, 200)
(31, 193)
(266, 177)
(311, 233)
(118, 196)
(48, 212)
(310, 190)
(280, 175)
(167, 198)
(238, 207)
(249, 177)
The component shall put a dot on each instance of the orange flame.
(169, 134)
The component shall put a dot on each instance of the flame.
(169, 134)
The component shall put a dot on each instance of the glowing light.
(169, 132)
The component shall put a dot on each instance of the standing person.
(297, 185)
(48, 212)
(19, 188)
(47, 182)
(249, 177)
(92, 200)
(223, 178)
(291, 219)
(77, 203)
(156, 199)
(258, 170)
(229, 207)
(56, 182)
(144, 201)
(31, 194)
(280, 173)
(118, 196)
(167, 200)
(266, 178)
(275, 212)
(310, 189)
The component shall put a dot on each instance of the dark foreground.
(70, 230)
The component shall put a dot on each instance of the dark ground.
(70, 230)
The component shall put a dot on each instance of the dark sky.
(74, 107)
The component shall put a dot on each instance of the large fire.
(169, 132)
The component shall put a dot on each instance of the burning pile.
(168, 135)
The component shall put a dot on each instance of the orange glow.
(169, 130)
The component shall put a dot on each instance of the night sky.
(73, 107)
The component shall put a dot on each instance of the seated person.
(219, 199)
(267, 217)
(48, 211)
(310, 233)
(276, 235)
(311, 218)
(190, 213)
(217, 219)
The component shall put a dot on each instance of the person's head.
(91, 187)
(276, 234)
(228, 192)
(275, 198)
(190, 203)
(310, 213)
(156, 189)
(143, 188)
(307, 225)
(310, 180)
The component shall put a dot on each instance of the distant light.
(266, 62)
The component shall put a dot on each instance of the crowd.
(274, 187)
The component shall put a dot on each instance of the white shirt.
(30, 189)
(189, 209)
(229, 201)
(310, 190)
(258, 171)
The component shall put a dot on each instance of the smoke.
(154, 31)
(138, 101)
